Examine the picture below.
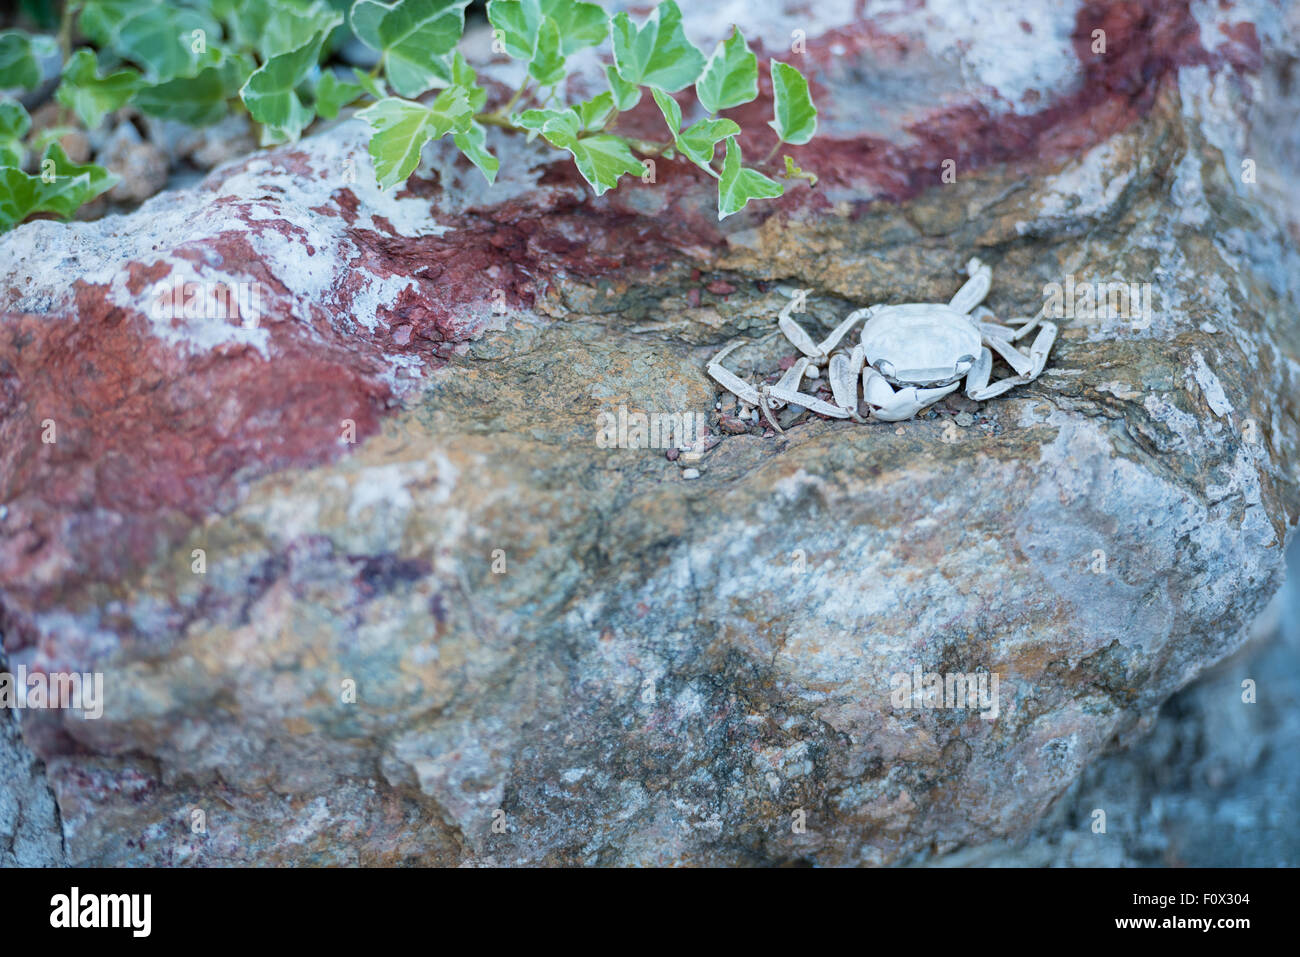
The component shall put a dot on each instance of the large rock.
(568, 653)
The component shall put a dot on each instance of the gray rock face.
(480, 635)
(30, 831)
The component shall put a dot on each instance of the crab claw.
(890, 406)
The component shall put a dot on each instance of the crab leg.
(1029, 324)
(792, 378)
(838, 333)
(890, 406)
(843, 374)
(977, 383)
(809, 402)
(1015, 358)
(729, 380)
(976, 288)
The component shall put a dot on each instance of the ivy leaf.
(14, 124)
(796, 117)
(669, 108)
(516, 24)
(413, 37)
(626, 95)
(199, 100)
(535, 120)
(657, 53)
(547, 64)
(90, 95)
(594, 113)
(332, 94)
(519, 21)
(700, 140)
(271, 95)
(473, 143)
(402, 127)
(20, 57)
(581, 24)
(286, 27)
(730, 77)
(164, 41)
(371, 84)
(601, 159)
(60, 188)
(738, 184)
(463, 76)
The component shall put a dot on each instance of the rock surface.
(565, 653)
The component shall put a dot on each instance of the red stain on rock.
(152, 437)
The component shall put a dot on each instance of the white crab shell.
(920, 344)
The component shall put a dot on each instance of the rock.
(141, 164)
(1211, 786)
(29, 821)
(365, 588)
(210, 146)
(75, 143)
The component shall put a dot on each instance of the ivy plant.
(196, 61)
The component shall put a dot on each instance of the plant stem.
(65, 29)
(768, 158)
(518, 95)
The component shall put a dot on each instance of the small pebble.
(720, 287)
(732, 426)
(965, 419)
(671, 455)
(898, 431)
(690, 473)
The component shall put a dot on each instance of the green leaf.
(414, 37)
(20, 57)
(536, 120)
(730, 77)
(601, 159)
(738, 185)
(402, 127)
(463, 76)
(581, 24)
(796, 117)
(162, 40)
(60, 188)
(473, 143)
(271, 95)
(14, 124)
(656, 53)
(595, 113)
(199, 100)
(626, 95)
(371, 84)
(517, 23)
(669, 108)
(272, 27)
(332, 94)
(699, 142)
(547, 64)
(90, 95)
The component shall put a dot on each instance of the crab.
(908, 357)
